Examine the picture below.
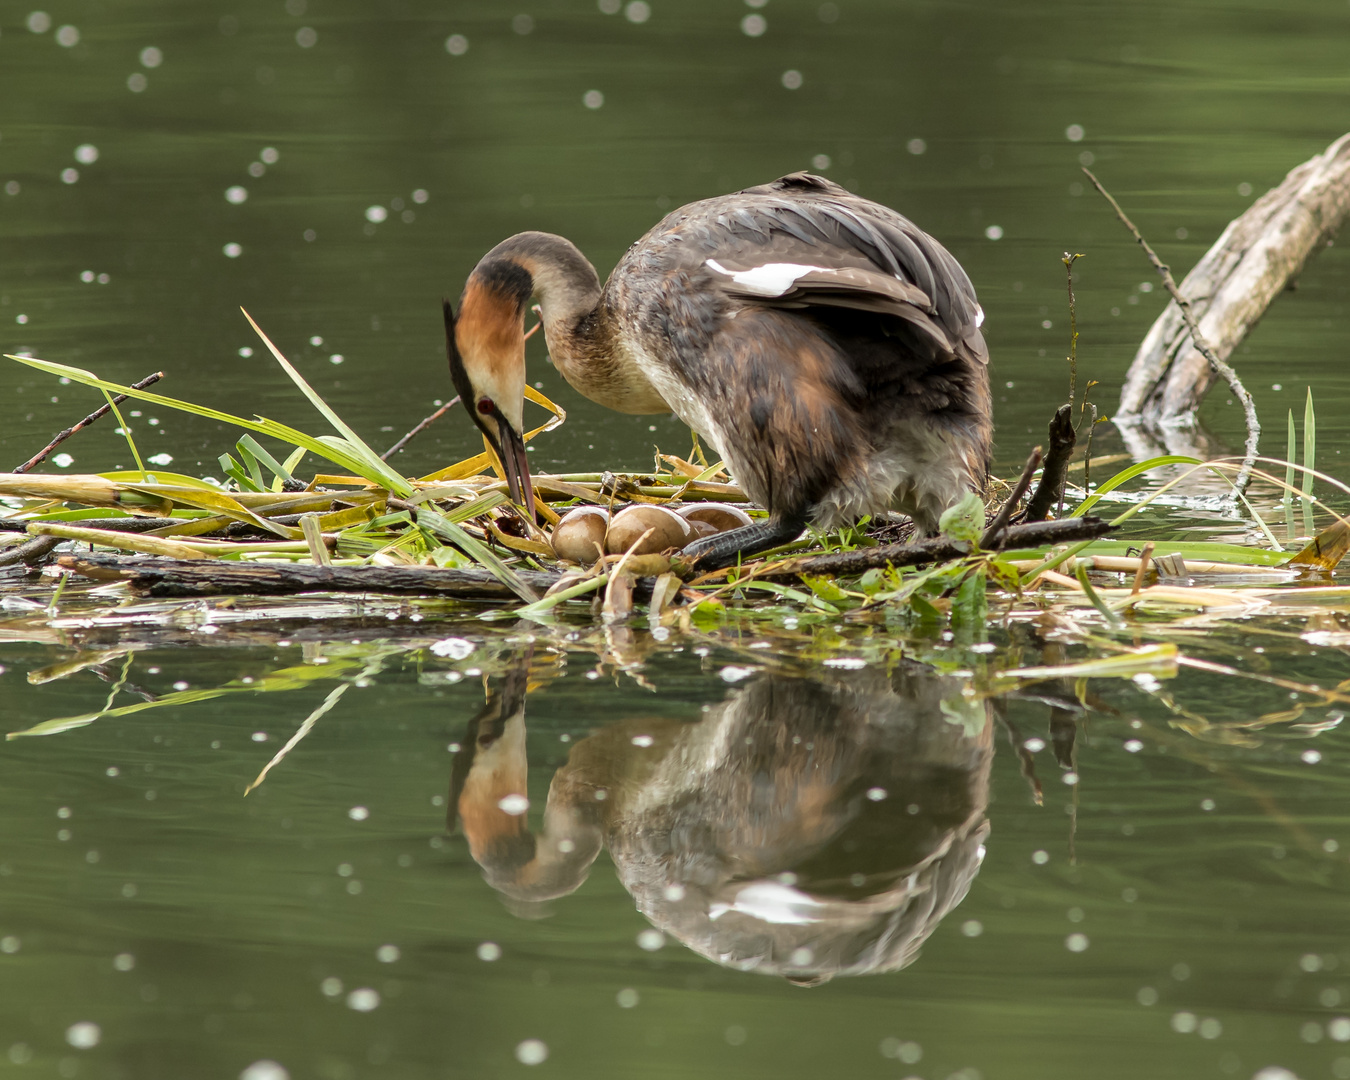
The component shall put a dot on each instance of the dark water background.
(1211, 876)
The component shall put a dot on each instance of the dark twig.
(101, 411)
(418, 429)
(1050, 489)
(1000, 522)
(34, 551)
(1068, 261)
(1198, 339)
(941, 549)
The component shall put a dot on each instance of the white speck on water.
(376, 214)
(1074, 133)
(63, 461)
(1181, 972)
(911, 1053)
(1311, 757)
(358, 813)
(610, 7)
(1207, 804)
(86, 153)
(792, 79)
(1339, 1029)
(532, 1052)
(259, 736)
(1146, 996)
(453, 748)
(265, 1070)
(83, 1036)
(650, 940)
(387, 954)
(522, 24)
(1034, 745)
(1210, 1028)
(876, 794)
(593, 99)
(1070, 778)
(514, 804)
(1076, 942)
(1331, 846)
(848, 663)
(754, 25)
(735, 1035)
(1040, 858)
(489, 951)
(733, 674)
(180, 685)
(87, 276)
(67, 36)
(456, 44)
(136, 82)
(639, 11)
(1311, 1032)
(456, 648)
(363, 1000)
(1086, 158)
(627, 998)
(270, 155)
(420, 196)
(151, 57)
(1146, 682)
(1244, 189)
(9, 945)
(232, 251)
(916, 146)
(1046, 324)
(1276, 386)
(160, 459)
(316, 340)
(236, 194)
(994, 232)
(821, 162)
(1310, 962)
(1183, 1023)
(1133, 746)
(972, 928)
(643, 740)
(124, 961)
(70, 176)
(336, 358)
(331, 987)
(306, 37)
(245, 352)
(39, 22)
(1275, 1072)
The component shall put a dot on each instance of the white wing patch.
(771, 279)
(979, 316)
(771, 902)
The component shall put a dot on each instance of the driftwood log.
(1256, 258)
(159, 577)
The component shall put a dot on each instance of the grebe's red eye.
(485, 405)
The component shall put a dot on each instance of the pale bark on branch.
(1228, 290)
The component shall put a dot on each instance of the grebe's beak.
(485, 345)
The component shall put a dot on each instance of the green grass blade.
(1126, 475)
(476, 550)
(1290, 456)
(374, 466)
(1309, 461)
(337, 451)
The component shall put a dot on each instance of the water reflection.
(805, 827)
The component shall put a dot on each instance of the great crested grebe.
(828, 347)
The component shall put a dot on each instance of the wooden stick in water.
(101, 411)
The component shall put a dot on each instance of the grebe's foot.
(725, 549)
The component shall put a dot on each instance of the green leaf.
(970, 607)
(964, 521)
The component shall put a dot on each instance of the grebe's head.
(486, 347)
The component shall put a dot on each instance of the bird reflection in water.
(804, 827)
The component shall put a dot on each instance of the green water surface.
(1179, 911)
